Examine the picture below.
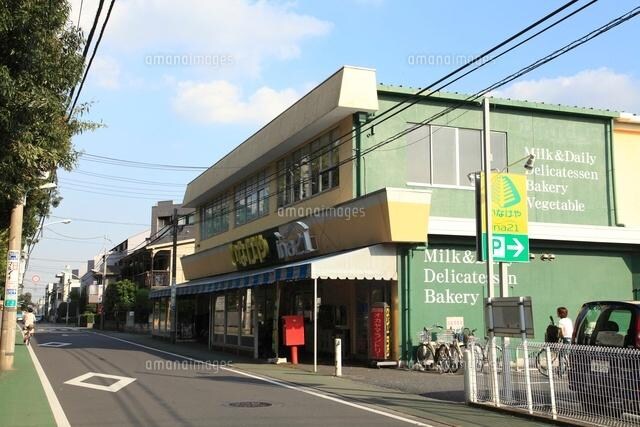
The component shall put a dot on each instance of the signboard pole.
(506, 351)
(525, 349)
(486, 168)
(315, 325)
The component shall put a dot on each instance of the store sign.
(380, 332)
(453, 276)
(509, 218)
(250, 251)
(294, 241)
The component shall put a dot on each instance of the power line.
(610, 25)
(123, 179)
(76, 237)
(85, 51)
(80, 13)
(99, 221)
(93, 54)
(144, 165)
(68, 240)
(56, 260)
(120, 189)
(414, 98)
(112, 195)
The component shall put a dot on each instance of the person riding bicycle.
(29, 323)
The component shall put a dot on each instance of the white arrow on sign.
(517, 247)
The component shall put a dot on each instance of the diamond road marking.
(122, 382)
(54, 344)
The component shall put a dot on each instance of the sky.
(183, 83)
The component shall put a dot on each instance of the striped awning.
(207, 285)
(377, 262)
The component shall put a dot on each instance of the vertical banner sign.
(509, 215)
(379, 327)
(11, 285)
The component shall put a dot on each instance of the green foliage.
(143, 305)
(40, 63)
(62, 310)
(74, 294)
(119, 297)
(24, 300)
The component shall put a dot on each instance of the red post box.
(293, 331)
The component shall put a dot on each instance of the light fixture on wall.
(547, 257)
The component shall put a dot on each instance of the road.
(160, 389)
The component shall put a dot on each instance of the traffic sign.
(509, 216)
(35, 278)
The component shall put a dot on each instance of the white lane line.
(281, 384)
(54, 403)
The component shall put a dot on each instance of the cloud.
(105, 71)
(249, 31)
(597, 88)
(220, 101)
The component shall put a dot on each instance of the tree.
(119, 298)
(142, 305)
(40, 63)
(24, 300)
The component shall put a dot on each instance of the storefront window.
(233, 318)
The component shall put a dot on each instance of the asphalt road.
(170, 391)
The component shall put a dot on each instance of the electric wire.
(99, 221)
(123, 179)
(93, 54)
(536, 64)
(143, 165)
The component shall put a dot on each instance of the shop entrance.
(343, 312)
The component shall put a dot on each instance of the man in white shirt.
(565, 325)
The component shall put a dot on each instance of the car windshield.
(606, 325)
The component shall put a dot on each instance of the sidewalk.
(432, 411)
(23, 401)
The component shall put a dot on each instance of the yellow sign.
(509, 211)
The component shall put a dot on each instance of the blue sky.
(259, 57)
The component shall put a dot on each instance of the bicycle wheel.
(478, 355)
(543, 365)
(497, 356)
(456, 360)
(443, 358)
(425, 356)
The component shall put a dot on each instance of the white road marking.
(54, 403)
(54, 344)
(118, 385)
(281, 384)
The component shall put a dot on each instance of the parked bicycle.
(468, 339)
(481, 353)
(431, 354)
(559, 357)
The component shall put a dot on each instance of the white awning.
(378, 262)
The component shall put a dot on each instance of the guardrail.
(575, 383)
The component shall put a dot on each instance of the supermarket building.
(336, 198)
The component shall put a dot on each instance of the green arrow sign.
(508, 247)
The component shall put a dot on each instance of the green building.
(338, 199)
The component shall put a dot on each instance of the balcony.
(153, 278)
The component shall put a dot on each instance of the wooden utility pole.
(8, 337)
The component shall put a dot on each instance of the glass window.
(252, 199)
(214, 218)
(310, 170)
(446, 155)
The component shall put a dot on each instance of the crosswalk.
(60, 329)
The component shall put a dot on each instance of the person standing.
(565, 325)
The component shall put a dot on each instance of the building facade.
(353, 201)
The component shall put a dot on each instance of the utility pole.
(104, 287)
(174, 259)
(8, 336)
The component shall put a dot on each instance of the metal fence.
(575, 383)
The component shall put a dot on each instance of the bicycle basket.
(445, 336)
